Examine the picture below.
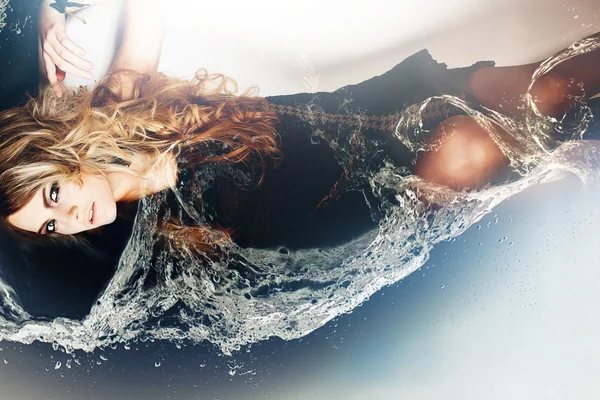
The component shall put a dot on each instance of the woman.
(124, 150)
(321, 182)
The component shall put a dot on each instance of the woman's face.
(68, 208)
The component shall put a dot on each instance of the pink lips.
(93, 209)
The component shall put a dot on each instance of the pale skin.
(467, 157)
(72, 207)
(140, 49)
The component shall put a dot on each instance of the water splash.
(310, 76)
(164, 290)
(4, 4)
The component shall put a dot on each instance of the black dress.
(319, 195)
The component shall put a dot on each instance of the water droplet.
(5, 361)
(103, 357)
(157, 364)
(127, 347)
(576, 17)
(443, 286)
(58, 365)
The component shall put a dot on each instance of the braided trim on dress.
(382, 123)
(387, 122)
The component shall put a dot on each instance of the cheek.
(109, 203)
(101, 193)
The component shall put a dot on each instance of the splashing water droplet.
(157, 364)
(58, 365)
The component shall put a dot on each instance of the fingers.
(51, 74)
(67, 60)
(70, 45)
(60, 74)
(61, 56)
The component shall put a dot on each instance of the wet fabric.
(314, 197)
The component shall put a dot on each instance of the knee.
(550, 93)
(466, 157)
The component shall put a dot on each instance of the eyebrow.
(41, 231)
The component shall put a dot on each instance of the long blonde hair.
(51, 138)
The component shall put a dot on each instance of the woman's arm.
(142, 40)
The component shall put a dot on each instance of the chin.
(108, 216)
(112, 215)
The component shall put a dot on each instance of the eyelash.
(53, 189)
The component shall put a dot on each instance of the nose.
(73, 213)
(69, 218)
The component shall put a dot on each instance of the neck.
(150, 175)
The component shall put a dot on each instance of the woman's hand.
(59, 53)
